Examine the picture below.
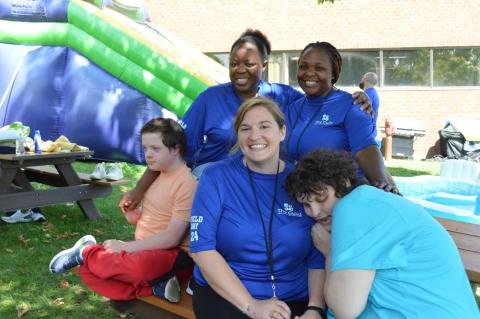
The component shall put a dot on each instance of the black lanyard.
(312, 118)
(268, 239)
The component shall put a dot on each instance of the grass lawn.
(29, 290)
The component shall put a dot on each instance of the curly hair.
(319, 169)
(257, 38)
(333, 55)
(172, 133)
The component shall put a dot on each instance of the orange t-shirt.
(170, 195)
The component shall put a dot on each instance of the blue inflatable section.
(34, 10)
(60, 92)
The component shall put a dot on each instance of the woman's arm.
(346, 291)
(225, 282)
(193, 123)
(371, 162)
(131, 199)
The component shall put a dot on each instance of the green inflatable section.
(117, 52)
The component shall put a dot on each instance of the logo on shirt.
(182, 124)
(194, 222)
(288, 210)
(324, 121)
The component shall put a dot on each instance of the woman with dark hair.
(208, 122)
(250, 241)
(324, 118)
(386, 257)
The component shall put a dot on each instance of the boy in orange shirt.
(125, 270)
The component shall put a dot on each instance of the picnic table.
(17, 172)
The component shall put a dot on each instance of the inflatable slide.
(79, 69)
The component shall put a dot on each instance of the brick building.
(422, 39)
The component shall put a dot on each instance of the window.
(406, 67)
(455, 67)
(221, 58)
(356, 64)
(292, 60)
(401, 67)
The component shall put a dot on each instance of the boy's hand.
(130, 200)
(321, 239)
(115, 246)
(363, 98)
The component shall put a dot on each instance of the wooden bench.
(69, 186)
(153, 307)
(49, 173)
(467, 239)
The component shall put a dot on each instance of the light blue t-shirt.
(225, 218)
(373, 95)
(419, 273)
(208, 122)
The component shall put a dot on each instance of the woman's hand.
(130, 200)
(115, 246)
(386, 186)
(268, 309)
(361, 97)
(310, 314)
(321, 239)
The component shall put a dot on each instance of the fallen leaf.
(8, 250)
(58, 301)
(81, 291)
(23, 240)
(64, 284)
(21, 311)
(99, 231)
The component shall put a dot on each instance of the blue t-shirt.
(330, 122)
(225, 218)
(419, 273)
(208, 122)
(373, 95)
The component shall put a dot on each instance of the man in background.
(367, 84)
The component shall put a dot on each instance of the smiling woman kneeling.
(251, 241)
(386, 256)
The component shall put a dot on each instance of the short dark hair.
(172, 133)
(333, 54)
(257, 38)
(319, 169)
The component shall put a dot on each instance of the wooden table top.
(30, 156)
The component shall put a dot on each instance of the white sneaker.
(18, 217)
(189, 289)
(115, 172)
(36, 215)
(99, 171)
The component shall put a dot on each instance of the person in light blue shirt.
(250, 241)
(324, 118)
(386, 256)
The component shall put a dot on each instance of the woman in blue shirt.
(324, 118)
(251, 241)
(208, 122)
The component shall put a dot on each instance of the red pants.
(124, 276)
